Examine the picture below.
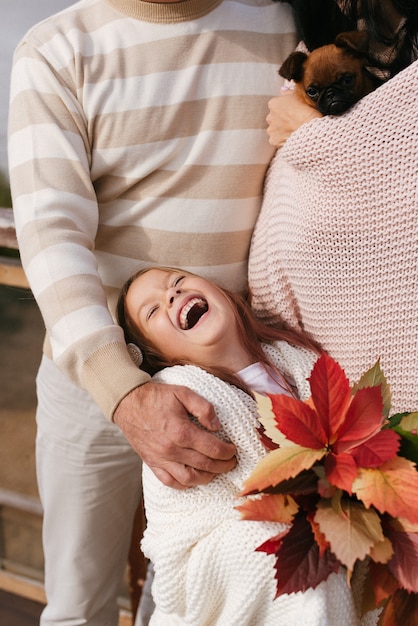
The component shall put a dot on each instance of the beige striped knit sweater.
(137, 136)
(335, 249)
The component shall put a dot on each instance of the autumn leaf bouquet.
(341, 473)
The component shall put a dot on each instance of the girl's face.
(187, 318)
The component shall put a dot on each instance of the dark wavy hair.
(320, 21)
(252, 331)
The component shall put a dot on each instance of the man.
(136, 137)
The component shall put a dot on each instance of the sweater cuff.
(109, 375)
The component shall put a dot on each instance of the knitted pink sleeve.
(335, 249)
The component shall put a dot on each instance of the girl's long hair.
(320, 21)
(252, 331)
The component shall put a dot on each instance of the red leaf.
(298, 422)
(299, 565)
(272, 545)
(330, 394)
(341, 471)
(404, 563)
(376, 450)
(363, 418)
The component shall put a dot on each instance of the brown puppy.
(332, 78)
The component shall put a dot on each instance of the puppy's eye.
(348, 79)
(312, 92)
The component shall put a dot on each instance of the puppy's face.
(332, 78)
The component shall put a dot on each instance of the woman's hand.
(286, 114)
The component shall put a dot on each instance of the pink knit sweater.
(335, 249)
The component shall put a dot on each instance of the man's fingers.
(196, 444)
(179, 476)
(197, 406)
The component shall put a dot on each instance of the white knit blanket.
(206, 569)
(335, 249)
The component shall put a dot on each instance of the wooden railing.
(12, 274)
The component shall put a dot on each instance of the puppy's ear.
(356, 42)
(292, 67)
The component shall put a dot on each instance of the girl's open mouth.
(192, 312)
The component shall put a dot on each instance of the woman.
(335, 248)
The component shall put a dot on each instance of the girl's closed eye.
(178, 280)
(151, 312)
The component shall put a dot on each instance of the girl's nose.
(172, 293)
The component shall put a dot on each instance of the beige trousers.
(89, 481)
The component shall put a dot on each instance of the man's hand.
(155, 420)
(286, 114)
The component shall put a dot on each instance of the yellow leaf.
(352, 532)
(409, 423)
(373, 378)
(279, 465)
(272, 507)
(267, 419)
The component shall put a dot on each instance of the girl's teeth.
(185, 310)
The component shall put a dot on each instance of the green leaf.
(406, 425)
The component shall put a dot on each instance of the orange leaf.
(382, 552)
(279, 465)
(391, 488)
(383, 583)
(401, 610)
(321, 540)
(350, 529)
(330, 394)
(270, 508)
